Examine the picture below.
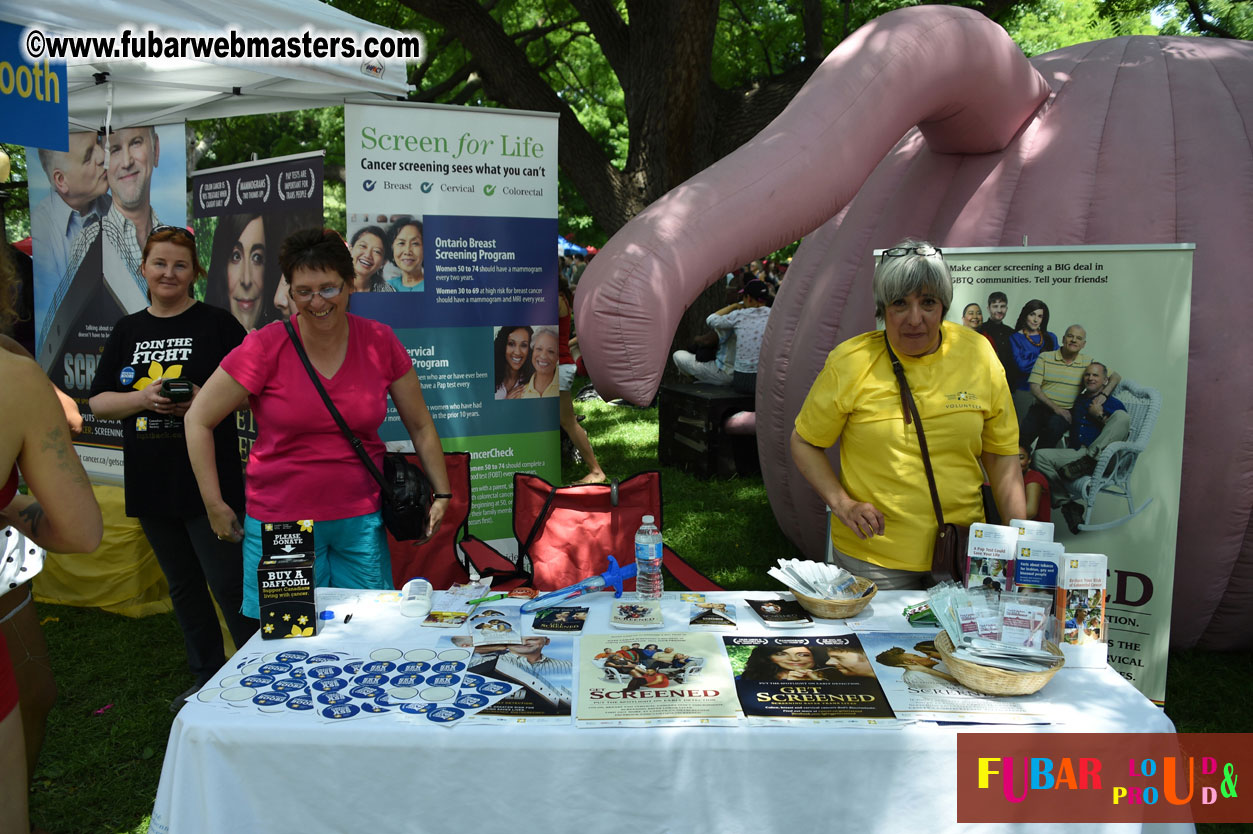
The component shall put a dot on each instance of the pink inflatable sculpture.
(1129, 140)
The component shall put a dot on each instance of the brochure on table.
(540, 667)
(919, 686)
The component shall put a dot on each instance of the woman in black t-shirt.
(176, 337)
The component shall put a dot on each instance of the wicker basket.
(990, 680)
(838, 609)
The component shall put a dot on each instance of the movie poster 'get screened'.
(451, 217)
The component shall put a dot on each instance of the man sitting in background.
(1097, 420)
(718, 371)
(1056, 380)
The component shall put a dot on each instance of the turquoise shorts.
(348, 553)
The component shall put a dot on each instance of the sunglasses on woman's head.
(164, 227)
(926, 250)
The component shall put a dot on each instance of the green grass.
(106, 738)
(98, 773)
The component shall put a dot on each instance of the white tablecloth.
(242, 772)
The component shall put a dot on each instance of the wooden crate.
(690, 433)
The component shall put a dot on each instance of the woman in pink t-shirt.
(301, 466)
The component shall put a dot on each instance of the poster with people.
(651, 679)
(241, 215)
(92, 208)
(451, 217)
(806, 681)
(541, 668)
(1094, 342)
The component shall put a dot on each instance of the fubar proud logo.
(1102, 777)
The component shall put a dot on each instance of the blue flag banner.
(34, 96)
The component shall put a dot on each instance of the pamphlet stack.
(1081, 610)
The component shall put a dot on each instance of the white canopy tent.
(137, 92)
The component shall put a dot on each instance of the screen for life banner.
(451, 217)
(1134, 303)
(242, 213)
(91, 209)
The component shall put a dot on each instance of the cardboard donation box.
(285, 580)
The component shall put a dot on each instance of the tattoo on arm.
(32, 516)
(67, 460)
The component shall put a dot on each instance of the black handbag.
(948, 555)
(407, 491)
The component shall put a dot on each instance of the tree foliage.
(15, 200)
(652, 92)
(1208, 18)
(1053, 24)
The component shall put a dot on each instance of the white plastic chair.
(1116, 462)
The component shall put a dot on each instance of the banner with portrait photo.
(242, 213)
(92, 208)
(1130, 306)
(451, 217)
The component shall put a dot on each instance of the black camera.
(177, 390)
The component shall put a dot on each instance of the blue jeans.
(1043, 424)
(348, 553)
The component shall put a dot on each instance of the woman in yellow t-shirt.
(886, 524)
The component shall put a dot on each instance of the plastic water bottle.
(648, 579)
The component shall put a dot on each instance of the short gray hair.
(899, 276)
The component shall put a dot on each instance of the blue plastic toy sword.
(613, 577)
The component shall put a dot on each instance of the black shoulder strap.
(538, 526)
(539, 523)
(911, 410)
(353, 440)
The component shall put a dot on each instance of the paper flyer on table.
(804, 681)
(541, 668)
(919, 686)
(658, 679)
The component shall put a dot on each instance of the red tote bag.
(566, 534)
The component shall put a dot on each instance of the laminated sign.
(285, 580)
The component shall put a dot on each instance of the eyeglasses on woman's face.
(926, 250)
(304, 294)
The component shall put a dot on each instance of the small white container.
(416, 597)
